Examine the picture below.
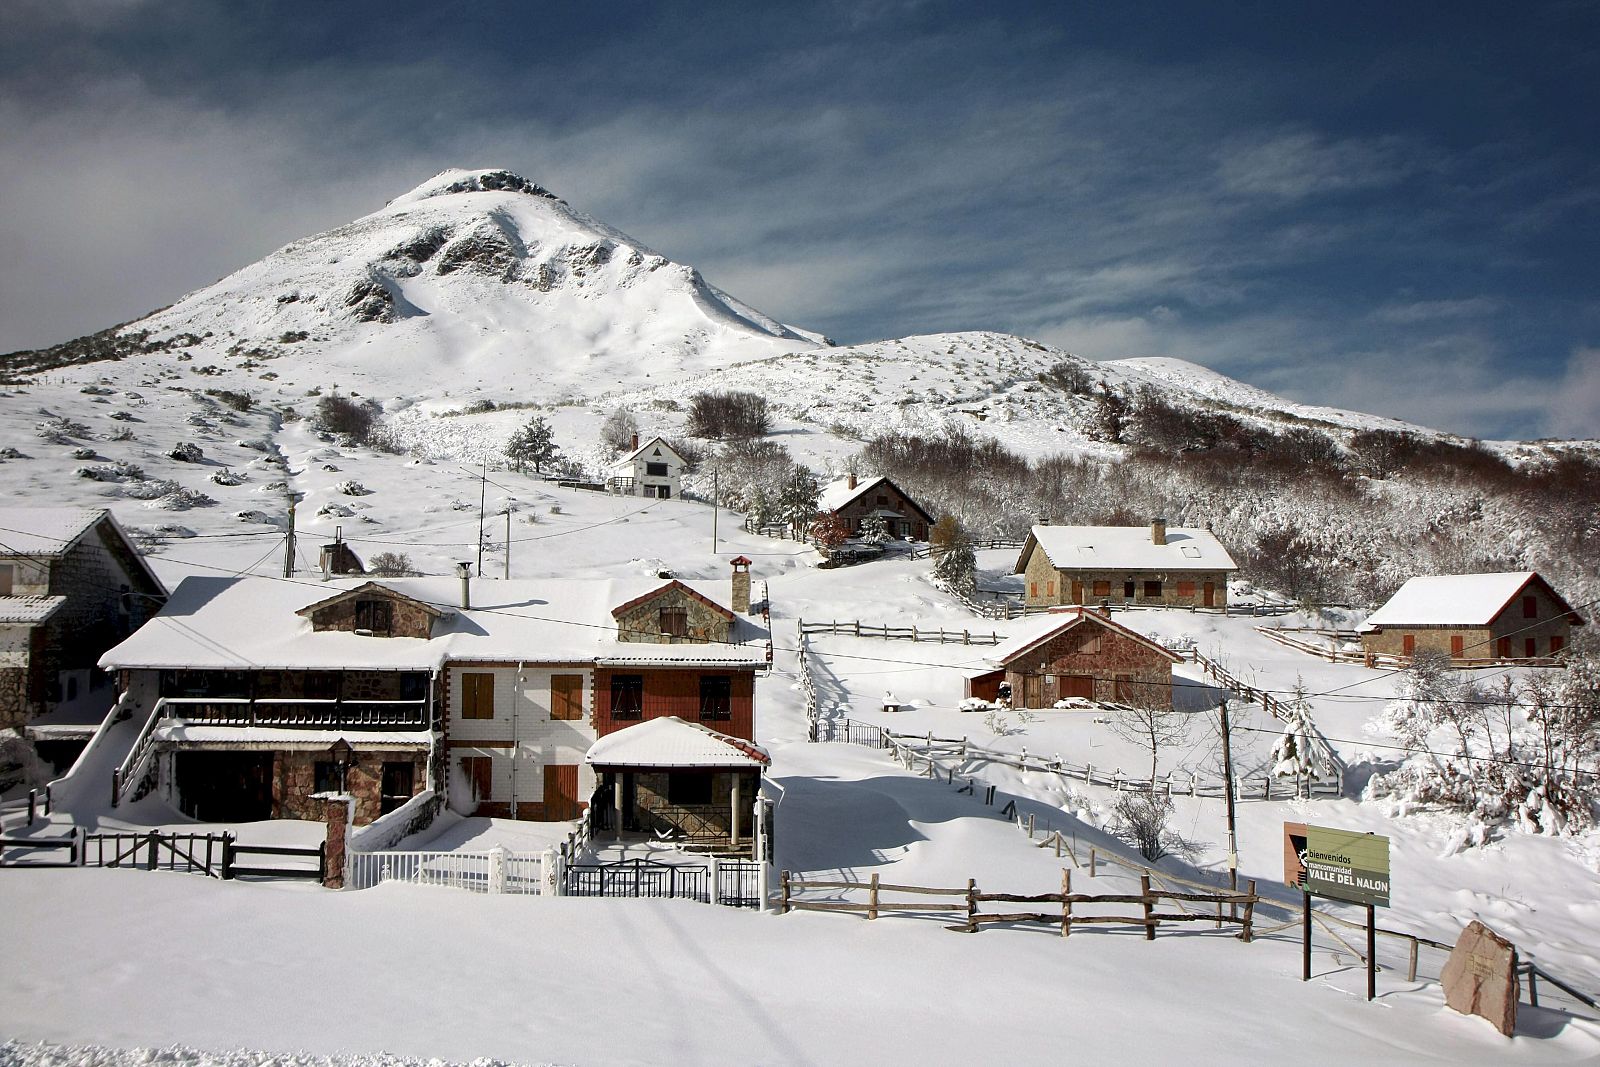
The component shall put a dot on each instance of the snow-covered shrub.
(84, 453)
(352, 488)
(60, 431)
(177, 498)
(1141, 820)
(228, 477)
(1300, 751)
(975, 704)
(335, 511)
(11, 453)
(120, 471)
(186, 452)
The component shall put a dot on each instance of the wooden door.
(1077, 592)
(1210, 592)
(560, 791)
(1408, 644)
(1033, 691)
(566, 696)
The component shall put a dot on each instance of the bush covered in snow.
(186, 452)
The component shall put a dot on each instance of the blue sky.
(1387, 207)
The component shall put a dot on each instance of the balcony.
(303, 713)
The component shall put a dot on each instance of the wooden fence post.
(1066, 895)
(872, 897)
(1149, 906)
(1411, 967)
(1092, 860)
(150, 864)
(785, 910)
(1248, 934)
(227, 855)
(972, 905)
(1030, 826)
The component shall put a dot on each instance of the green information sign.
(1346, 865)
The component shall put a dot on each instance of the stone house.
(1078, 654)
(1156, 565)
(72, 584)
(853, 502)
(653, 469)
(483, 694)
(1473, 617)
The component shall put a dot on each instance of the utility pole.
(288, 544)
(1227, 785)
(714, 495)
(509, 502)
(483, 496)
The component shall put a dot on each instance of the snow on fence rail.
(971, 918)
(857, 628)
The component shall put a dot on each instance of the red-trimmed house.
(853, 503)
(1077, 654)
(1514, 615)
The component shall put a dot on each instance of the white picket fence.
(494, 871)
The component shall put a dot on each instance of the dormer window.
(674, 622)
(376, 617)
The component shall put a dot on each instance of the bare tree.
(1152, 726)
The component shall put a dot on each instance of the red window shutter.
(1033, 588)
(1408, 644)
(1530, 647)
(1504, 650)
(1458, 646)
(1557, 644)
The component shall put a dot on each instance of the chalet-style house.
(854, 502)
(1177, 566)
(1509, 616)
(1077, 654)
(71, 585)
(489, 693)
(653, 469)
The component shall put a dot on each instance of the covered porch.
(674, 781)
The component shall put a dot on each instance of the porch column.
(616, 802)
(733, 824)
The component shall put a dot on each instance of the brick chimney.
(1158, 531)
(741, 585)
(851, 483)
(636, 442)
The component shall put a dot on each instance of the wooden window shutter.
(1458, 646)
(477, 696)
(566, 696)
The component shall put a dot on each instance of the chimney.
(464, 572)
(1158, 531)
(636, 442)
(741, 585)
(851, 484)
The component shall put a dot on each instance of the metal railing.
(477, 872)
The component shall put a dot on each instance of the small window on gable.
(1089, 644)
(674, 622)
(1530, 607)
(883, 499)
(375, 616)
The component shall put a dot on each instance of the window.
(1530, 647)
(479, 773)
(1408, 644)
(1152, 590)
(1033, 588)
(1050, 589)
(1503, 648)
(689, 789)
(399, 780)
(1530, 607)
(627, 696)
(883, 501)
(8, 572)
(1127, 589)
(716, 699)
(1186, 589)
(1557, 643)
(1458, 646)
(1102, 588)
(566, 696)
(1089, 644)
(322, 685)
(376, 616)
(477, 696)
(325, 777)
(674, 622)
(655, 470)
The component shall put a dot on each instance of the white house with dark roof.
(1177, 566)
(72, 584)
(653, 469)
(1512, 615)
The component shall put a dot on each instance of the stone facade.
(294, 782)
(1512, 634)
(653, 794)
(886, 496)
(407, 617)
(640, 620)
(1046, 585)
(1093, 661)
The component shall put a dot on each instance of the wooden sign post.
(1341, 865)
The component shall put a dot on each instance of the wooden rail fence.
(857, 628)
(1069, 905)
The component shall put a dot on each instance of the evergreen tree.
(534, 443)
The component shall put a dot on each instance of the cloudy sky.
(1390, 207)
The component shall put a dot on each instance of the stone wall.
(864, 505)
(294, 781)
(642, 622)
(651, 790)
(408, 618)
(1549, 621)
(1045, 584)
(92, 576)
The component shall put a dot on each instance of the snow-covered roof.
(671, 742)
(29, 610)
(1455, 600)
(43, 531)
(837, 493)
(251, 623)
(1036, 631)
(654, 442)
(1128, 548)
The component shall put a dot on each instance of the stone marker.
(1481, 977)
